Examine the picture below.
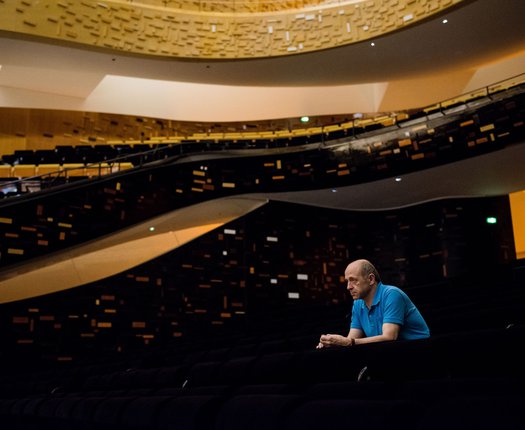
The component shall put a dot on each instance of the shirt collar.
(378, 294)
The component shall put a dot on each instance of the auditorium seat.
(402, 360)
(202, 373)
(24, 170)
(142, 413)
(353, 390)
(170, 377)
(267, 389)
(331, 364)
(81, 413)
(103, 381)
(354, 414)
(274, 369)
(490, 352)
(243, 349)
(49, 169)
(217, 354)
(189, 412)
(273, 346)
(135, 378)
(430, 391)
(303, 342)
(6, 417)
(234, 371)
(107, 414)
(475, 413)
(256, 412)
(46, 414)
(6, 171)
(23, 411)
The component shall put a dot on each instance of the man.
(380, 312)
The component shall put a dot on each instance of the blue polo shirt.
(390, 305)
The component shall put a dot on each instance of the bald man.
(380, 312)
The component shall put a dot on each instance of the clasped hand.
(329, 340)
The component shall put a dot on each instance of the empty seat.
(60, 411)
(428, 391)
(475, 413)
(353, 390)
(331, 364)
(490, 352)
(142, 413)
(136, 378)
(6, 171)
(108, 412)
(272, 368)
(202, 374)
(49, 169)
(403, 360)
(189, 412)
(234, 371)
(81, 413)
(24, 170)
(171, 377)
(354, 414)
(256, 412)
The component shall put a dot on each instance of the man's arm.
(329, 340)
(390, 332)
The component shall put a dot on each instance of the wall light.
(305, 119)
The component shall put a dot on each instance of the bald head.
(365, 268)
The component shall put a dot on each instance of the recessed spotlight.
(444, 21)
(305, 119)
(373, 44)
(334, 190)
(398, 179)
(152, 229)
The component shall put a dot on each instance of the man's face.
(358, 286)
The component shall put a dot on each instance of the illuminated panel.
(517, 210)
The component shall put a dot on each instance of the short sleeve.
(394, 308)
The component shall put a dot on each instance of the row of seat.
(64, 154)
(481, 403)
(400, 384)
(490, 352)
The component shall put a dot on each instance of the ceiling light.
(305, 119)
(373, 44)
(444, 21)
(152, 229)
(398, 179)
